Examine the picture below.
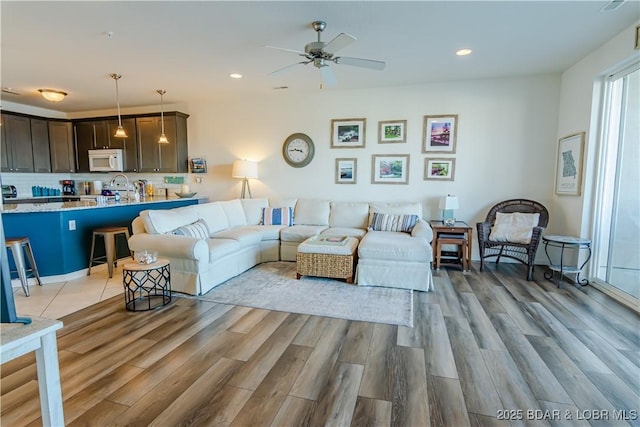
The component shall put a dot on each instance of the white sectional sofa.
(211, 242)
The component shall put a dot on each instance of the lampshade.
(52, 95)
(245, 169)
(449, 202)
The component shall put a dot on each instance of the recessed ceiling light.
(463, 52)
(235, 76)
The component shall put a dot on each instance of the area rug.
(273, 286)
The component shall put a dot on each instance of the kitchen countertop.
(85, 202)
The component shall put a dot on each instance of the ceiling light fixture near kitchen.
(52, 95)
(163, 138)
(235, 76)
(463, 52)
(120, 133)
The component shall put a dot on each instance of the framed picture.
(198, 165)
(439, 133)
(346, 171)
(348, 133)
(569, 164)
(439, 169)
(392, 131)
(390, 169)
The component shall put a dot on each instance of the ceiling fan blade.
(340, 41)
(328, 76)
(359, 62)
(287, 50)
(282, 70)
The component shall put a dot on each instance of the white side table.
(146, 286)
(17, 339)
(566, 242)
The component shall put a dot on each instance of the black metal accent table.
(146, 286)
(564, 242)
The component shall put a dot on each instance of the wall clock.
(298, 150)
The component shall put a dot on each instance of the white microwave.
(106, 160)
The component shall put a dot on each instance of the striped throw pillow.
(277, 216)
(197, 229)
(389, 222)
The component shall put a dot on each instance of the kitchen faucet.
(113, 180)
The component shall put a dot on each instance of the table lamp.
(448, 204)
(245, 169)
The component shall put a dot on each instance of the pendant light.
(163, 138)
(120, 133)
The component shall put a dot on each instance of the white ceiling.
(189, 48)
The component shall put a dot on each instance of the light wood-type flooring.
(487, 349)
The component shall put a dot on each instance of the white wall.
(505, 148)
(580, 110)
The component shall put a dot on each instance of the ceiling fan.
(322, 53)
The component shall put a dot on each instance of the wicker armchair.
(525, 253)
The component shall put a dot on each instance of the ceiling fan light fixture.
(52, 94)
(463, 52)
(120, 132)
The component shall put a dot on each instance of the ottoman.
(327, 256)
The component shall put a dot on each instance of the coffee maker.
(68, 187)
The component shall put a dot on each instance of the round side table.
(566, 242)
(146, 286)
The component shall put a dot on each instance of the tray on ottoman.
(327, 256)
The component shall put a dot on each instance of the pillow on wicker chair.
(514, 227)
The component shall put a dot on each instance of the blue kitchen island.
(60, 233)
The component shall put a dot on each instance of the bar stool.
(109, 235)
(18, 246)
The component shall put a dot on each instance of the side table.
(460, 234)
(17, 339)
(146, 286)
(566, 242)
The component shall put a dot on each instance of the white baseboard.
(15, 283)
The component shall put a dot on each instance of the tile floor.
(55, 300)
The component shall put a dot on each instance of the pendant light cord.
(116, 77)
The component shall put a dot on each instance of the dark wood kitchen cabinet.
(61, 146)
(40, 145)
(99, 134)
(154, 157)
(16, 143)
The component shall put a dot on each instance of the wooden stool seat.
(109, 235)
(18, 246)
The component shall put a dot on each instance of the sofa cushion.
(300, 233)
(277, 216)
(213, 214)
(344, 231)
(164, 221)
(349, 214)
(242, 234)
(389, 245)
(514, 227)
(267, 232)
(253, 209)
(389, 222)
(234, 213)
(312, 212)
(397, 208)
(197, 229)
(219, 248)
